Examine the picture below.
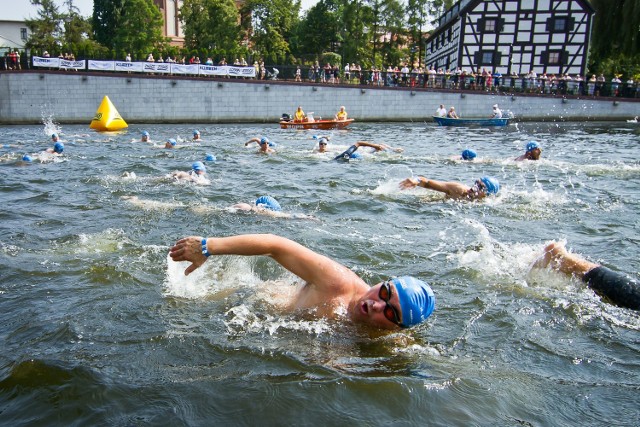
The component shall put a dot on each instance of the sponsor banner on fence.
(102, 65)
(184, 69)
(242, 71)
(211, 70)
(72, 65)
(128, 66)
(45, 62)
(153, 67)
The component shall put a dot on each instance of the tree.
(211, 25)
(46, 30)
(271, 26)
(128, 26)
(313, 35)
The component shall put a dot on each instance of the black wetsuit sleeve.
(618, 288)
(346, 154)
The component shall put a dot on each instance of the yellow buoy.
(107, 117)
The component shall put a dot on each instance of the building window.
(490, 25)
(23, 33)
(487, 57)
(554, 57)
(560, 24)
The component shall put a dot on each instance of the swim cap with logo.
(198, 167)
(268, 202)
(417, 300)
(492, 184)
(172, 141)
(58, 147)
(532, 146)
(469, 155)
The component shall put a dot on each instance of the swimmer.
(198, 174)
(267, 205)
(330, 287)
(616, 287)
(57, 149)
(323, 142)
(469, 155)
(54, 137)
(350, 153)
(455, 190)
(171, 143)
(533, 152)
(265, 145)
(196, 135)
(144, 136)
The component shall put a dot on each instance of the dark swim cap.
(268, 202)
(532, 146)
(58, 147)
(54, 135)
(492, 184)
(469, 155)
(417, 300)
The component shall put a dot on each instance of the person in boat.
(330, 288)
(171, 143)
(342, 114)
(532, 152)
(196, 135)
(198, 173)
(482, 188)
(299, 115)
(441, 111)
(264, 143)
(616, 287)
(452, 113)
(144, 136)
(497, 113)
(350, 153)
(269, 206)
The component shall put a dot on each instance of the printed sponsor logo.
(124, 64)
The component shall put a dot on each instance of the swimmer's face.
(478, 190)
(534, 154)
(379, 307)
(322, 146)
(145, 138)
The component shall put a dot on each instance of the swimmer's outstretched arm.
(310, 266)
(378, 147)
(257, 140)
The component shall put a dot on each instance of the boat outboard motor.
(285, 117)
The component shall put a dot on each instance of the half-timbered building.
(513, 36)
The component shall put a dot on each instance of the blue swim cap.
(532, 146)
(355, 156)
(145, 133)
(416, 299)
(198, 167)
(171, 141)
(492, 184)
(469, 155)
(58, 147)
(315, 136)
(210, 158)
(27, 158)
(263, 140)
(196, 132)
(268, 202)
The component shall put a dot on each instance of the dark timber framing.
(513, 37)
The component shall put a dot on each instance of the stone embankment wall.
(70, 97)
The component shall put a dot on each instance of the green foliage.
(212, 26)
(46, 30)
(330, 58)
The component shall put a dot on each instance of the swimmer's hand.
(188, 249)
(409, 183)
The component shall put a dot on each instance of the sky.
(21, 9)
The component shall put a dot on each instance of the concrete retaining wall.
(70, 97)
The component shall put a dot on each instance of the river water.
(100, 327)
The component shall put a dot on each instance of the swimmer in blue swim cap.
(198, 168)
(144, 137)
(57, 149)
(171, 143)
(532, 152)
(330, 289)
(268, 202)
(469, 155)
(351, 154)
(27, 158)
(264, 143)
(196, 135)
(210, 157)
(482, 187)
(323, 143)
(54, 137)
(197, 174)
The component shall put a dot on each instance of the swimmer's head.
(417, 300)
(54, 136)
(469, 155)
(268, 202)
(264, 140)
(491, 184)
(532, 145)
(210, 157)
(27, 158)
(171, 143)
(145, 133)
(196, 133)
(323, 141)
(199, 168)
(355, 156)
(58, 147)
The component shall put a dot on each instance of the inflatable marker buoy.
(107, 117)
